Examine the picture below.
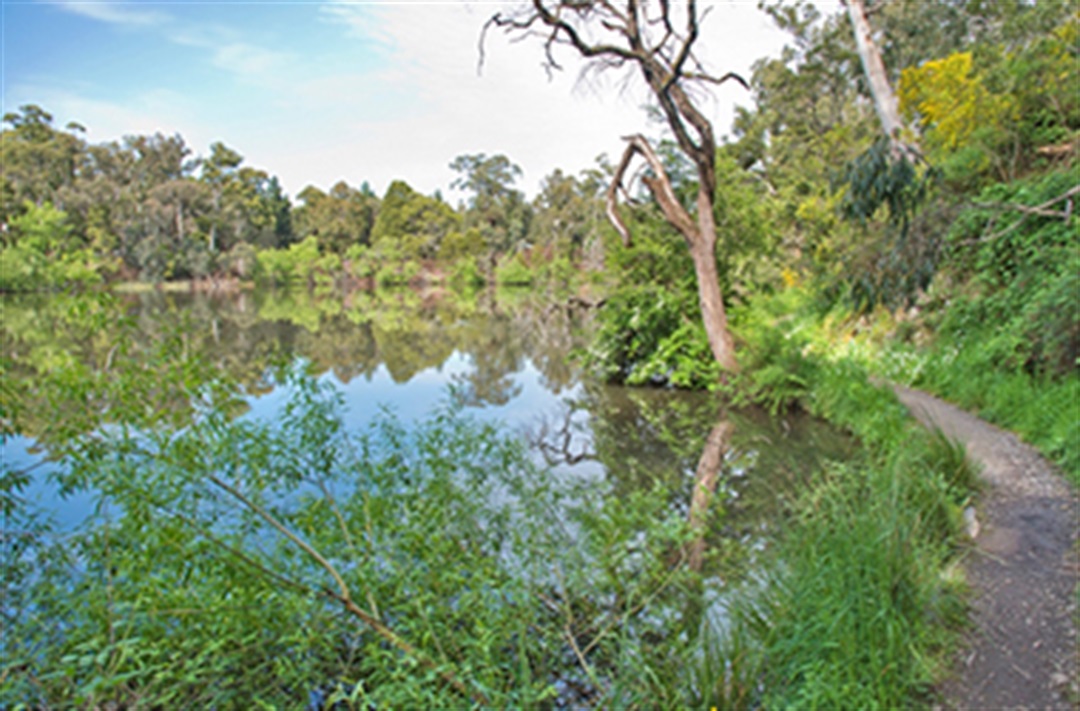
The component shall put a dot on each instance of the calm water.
(504, 357)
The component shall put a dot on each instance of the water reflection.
(503, 355)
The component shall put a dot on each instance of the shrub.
(650, 335)
(513, 272)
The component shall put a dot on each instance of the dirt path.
(1022, 651)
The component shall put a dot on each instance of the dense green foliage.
(78, 214)
(858, 611)
(192, 532)
(972, 263)
(138, 406)
(1022, 274)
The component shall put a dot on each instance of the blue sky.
(315, 92)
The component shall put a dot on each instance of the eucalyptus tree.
(566, 214)
(658, 40)
(885, 101)
(217, 172)
(495, 208)
(36, 159)
(411, 225)
(341, 218)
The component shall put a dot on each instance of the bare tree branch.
(634, 36)
(1040, 210)
(556, 452)
(660, 186)
(611, 205)
(688, 42)
(700, 76)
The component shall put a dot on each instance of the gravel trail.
(1021, 652)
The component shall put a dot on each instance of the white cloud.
(158, 111)
(401, 97)
(513, 107)
(229, 51)
(247, 59)
(114, 13)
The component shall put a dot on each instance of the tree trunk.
(670, 69)
(180, 221)
(700, 236)
(713, 314)
(885, 102)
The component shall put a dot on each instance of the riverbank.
(995, 621)
(868, 601)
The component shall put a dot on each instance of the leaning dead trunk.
(713, 314)
(658, 39)
(700, 236)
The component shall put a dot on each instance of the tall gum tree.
(657, 39)
(885, 101)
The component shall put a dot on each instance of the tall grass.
(1044, 411)
(1042, 408)
(858, 607)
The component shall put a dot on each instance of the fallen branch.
(343, 596)
(1038, 209)
(1027, 211)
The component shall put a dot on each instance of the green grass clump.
(1044, 411)
(856, 616)
(852, 602)
(858, 607)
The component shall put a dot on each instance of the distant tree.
(566, 214)
(339, 219)
(218, 172)
(411, 225)
(658, 40)
(494, 207)
(36, 160)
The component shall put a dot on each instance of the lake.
(505, 357)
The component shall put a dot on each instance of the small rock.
(971, 523)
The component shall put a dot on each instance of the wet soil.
(1021, 651)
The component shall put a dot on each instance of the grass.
(1044, 411)
(862, 601)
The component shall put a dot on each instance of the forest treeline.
(807, 195)
(145, 208)
(990, 88)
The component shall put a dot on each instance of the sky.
(316, 92)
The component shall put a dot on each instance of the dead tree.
(656, 38)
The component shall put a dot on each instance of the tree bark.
(713, 314)
(700, 236)
(888, 108)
